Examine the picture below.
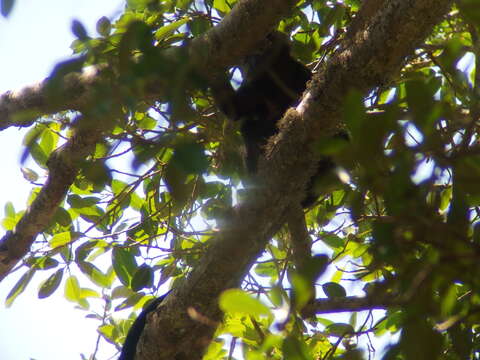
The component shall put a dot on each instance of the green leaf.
(124, 264)
(38, 155)
(49, 286)
(177, 185)
(215, 350)
(302, 290)
(19, 287)
(236, 301)
(78, 202)
(107, 331)
(98, 173)
(333, 241)
(118, 187)
(42, 262)
(95, 274)
(143, 278)
(72, 289)
(339, 329)
(9, 209)
(48, 141)
(198, 25)
(103, 26)
(334, 290)
(223, 6)
(421, 104)
(62, 238)
(303, 280)
(29, 174)
(294, 348)
(138, 5)
(165, 31)
(190, 157)
(314, 267)
(353, 319)
(266, 269)
(86, 293)
(62, 217)
(147, 123)
(449, 300)
(11, 218)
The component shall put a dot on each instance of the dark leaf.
(334, 290)
(79, 30)
(104, 26)
(49, 286)
(339, 329)
(6, 7)
(143, 278)
(124, 264)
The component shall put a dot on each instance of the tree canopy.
(139, 182)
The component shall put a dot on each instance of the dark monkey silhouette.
(130, 345)
(272, 82)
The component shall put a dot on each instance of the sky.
(33, 39)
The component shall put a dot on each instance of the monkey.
(129, 347)
(273, 81)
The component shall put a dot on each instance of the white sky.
(32, 40)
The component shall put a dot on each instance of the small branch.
(300, 239)
(349, 303)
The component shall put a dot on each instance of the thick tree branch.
(371, 59)
(184, 325)
(22, 107)
(63, 167)
(219, 48)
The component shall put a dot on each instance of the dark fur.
(273, 82)
(130, 345)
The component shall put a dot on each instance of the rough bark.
(183, 326)
(371, 58)
(300, 241)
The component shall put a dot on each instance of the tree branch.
(63, 166)
(21, 108)
(219, 48)
(371, 59)
(301, 242)
(349, 303)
